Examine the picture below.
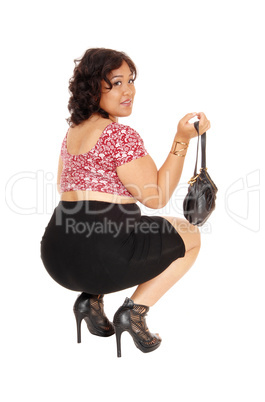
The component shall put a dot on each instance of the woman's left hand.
(186, 131)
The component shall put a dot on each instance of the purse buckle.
(193, 179)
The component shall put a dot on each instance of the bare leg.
(150, 292)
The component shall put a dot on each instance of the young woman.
(97, 241)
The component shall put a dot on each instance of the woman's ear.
(96, 99)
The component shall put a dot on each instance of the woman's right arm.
(153, 187)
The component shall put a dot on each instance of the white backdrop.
(192, 56)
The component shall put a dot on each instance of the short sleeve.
(128, 146)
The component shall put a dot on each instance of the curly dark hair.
(85, 84)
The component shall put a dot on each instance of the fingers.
(204, 123)
(187, 117)
(200, 115)
(186, 130)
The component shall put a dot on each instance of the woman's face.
(118, 100)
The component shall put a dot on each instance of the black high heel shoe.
(131, 317)
(91, 309)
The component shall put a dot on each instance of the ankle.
(142, 301)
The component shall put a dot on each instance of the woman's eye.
(118, 83)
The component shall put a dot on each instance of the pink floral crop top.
(96, 170)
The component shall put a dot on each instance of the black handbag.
(199, 203)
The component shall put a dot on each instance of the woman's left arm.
(153, 187)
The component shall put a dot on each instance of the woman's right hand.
(186, 130)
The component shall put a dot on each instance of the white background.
(192, 56)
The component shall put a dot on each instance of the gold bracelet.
(177, 152)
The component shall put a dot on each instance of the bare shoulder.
(124, 127)
(82, 138)
(89, 126)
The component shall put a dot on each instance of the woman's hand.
(186, 130)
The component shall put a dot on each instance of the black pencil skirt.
(100, 247)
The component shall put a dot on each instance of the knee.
(189, 233)
(192, 237)
(197, 235)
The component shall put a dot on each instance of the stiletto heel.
(91, 309)
(130, 317)
(118, 332)
(79, 317)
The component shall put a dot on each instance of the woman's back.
(82, 138)
(90, 154)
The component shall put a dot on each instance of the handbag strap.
(203, 148)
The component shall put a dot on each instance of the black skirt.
(100, 247)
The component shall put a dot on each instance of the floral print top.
(96, 170)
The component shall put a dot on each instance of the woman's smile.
(127, 103)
